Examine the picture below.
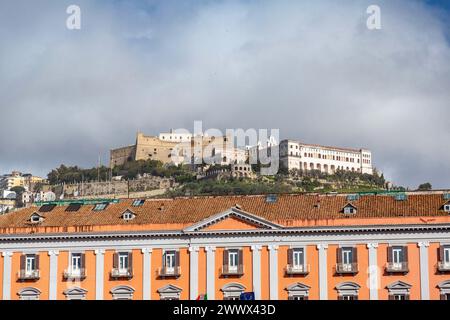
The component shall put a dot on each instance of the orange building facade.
(297, 247)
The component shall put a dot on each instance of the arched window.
(232, 291)
(169, 292)
(29, 293)
(298, 291)
(122, 293)
(75, 293)
(348, 290)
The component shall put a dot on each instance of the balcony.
(346, 268)
(397, 267)
(443, 266)
(228, 270)
(74, 274)
(302, 269)
(117, 273)
(167, 272)
(28, 275)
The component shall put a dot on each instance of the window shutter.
(83, 261)
(407, 297)
(355, 255)
(164, 259)
(115, 260)
(290, 256)
(130, 261)
(225, 257)
(37, 261)
(177, 258)
(22, 262)
(240, 257)
(340, 297)
(441, 254)
(405, 254)
(443, 297)
(391, 297)
(389, 255)
(339, 255)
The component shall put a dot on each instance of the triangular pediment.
(298, 287)
(233, 219)
(399, 285)
(170, 288)
(75, 290)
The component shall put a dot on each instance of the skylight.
(73, 207)
(271, 198)
(47, 208)
(100, 207)
(401, 197)
(138, 203)
(353, 197)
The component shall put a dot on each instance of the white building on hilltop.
(298, 155)
(306, 157)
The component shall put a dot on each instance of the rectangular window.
(397, 255)
(233, 260)
(123, 261)
(75, 261)
(298, 258)
(169, 260)
(446, 255)
(30, 263)
(347, 255)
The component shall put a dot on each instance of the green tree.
(425, 186)
(19, 191)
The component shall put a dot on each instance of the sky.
(311, 69)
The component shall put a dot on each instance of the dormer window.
(349, 209)
(447, 207)
(128, 215)
(36, 218)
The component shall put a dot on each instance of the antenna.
(98, 168)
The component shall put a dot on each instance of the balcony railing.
(343, 268)
(401, 267)
(228, 270)
(74, 273)
(28, 275)
(121, 273)
(169, 271)
(302, 269)
(443, 266)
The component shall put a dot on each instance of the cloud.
(313, 70)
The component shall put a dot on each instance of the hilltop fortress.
(178, 148)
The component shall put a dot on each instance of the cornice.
(338, 230)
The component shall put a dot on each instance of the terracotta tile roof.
(171, 214)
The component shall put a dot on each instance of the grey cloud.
(311, 69)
